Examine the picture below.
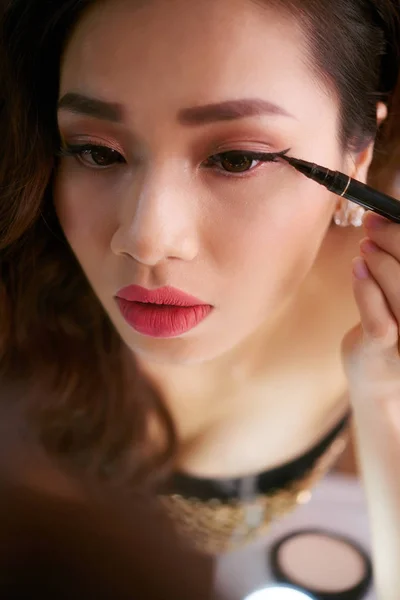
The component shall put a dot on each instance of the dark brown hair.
(54, 333)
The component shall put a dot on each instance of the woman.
(158, 280)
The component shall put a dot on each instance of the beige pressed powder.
(322, 563)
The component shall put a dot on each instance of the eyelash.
(79, 150)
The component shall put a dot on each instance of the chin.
(173, 352)
(183, 350)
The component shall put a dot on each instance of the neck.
(237, 366)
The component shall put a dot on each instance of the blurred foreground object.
(51, 547)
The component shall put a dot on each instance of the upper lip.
(164, 295)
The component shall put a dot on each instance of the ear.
(361, 162)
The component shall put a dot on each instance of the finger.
(385, 269)
(384, 233)
(378, 322)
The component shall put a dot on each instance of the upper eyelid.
(221, 172)
(103, 144)
(77, 147)
(237, 133)
(82, 133)
(254, 153)
(91, 143)
(75, 151)
(256, 136)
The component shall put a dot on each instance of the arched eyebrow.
(228, 110)
(91, 107)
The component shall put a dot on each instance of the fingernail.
(375, 222)
(367, 247)
(360, 269)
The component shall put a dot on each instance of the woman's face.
(183, 82)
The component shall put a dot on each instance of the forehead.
(187, 52)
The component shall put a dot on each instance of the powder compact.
(326, 565)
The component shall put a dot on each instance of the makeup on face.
(104, 156)
(326, 565)
(168, 214)
(97, 110)
(347, 187)
(341, 185)
(161, 313)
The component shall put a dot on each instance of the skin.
(258, 247)
(272, 368)
(169, 222)
(372, 364)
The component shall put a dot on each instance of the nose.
(158, 222)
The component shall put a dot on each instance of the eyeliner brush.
(349, 188)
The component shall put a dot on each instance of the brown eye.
(91, 155)
(236, 162)
(101, 156)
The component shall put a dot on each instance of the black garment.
(264, 483)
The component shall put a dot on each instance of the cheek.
(85, 217)
(269, 255)
(277, 238)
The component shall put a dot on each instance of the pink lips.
(162, 313)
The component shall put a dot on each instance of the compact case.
(326, 565)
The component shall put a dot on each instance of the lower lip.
(162, 321)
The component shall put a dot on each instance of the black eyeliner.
(265, 156)
(349, 188)
(74, 149)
